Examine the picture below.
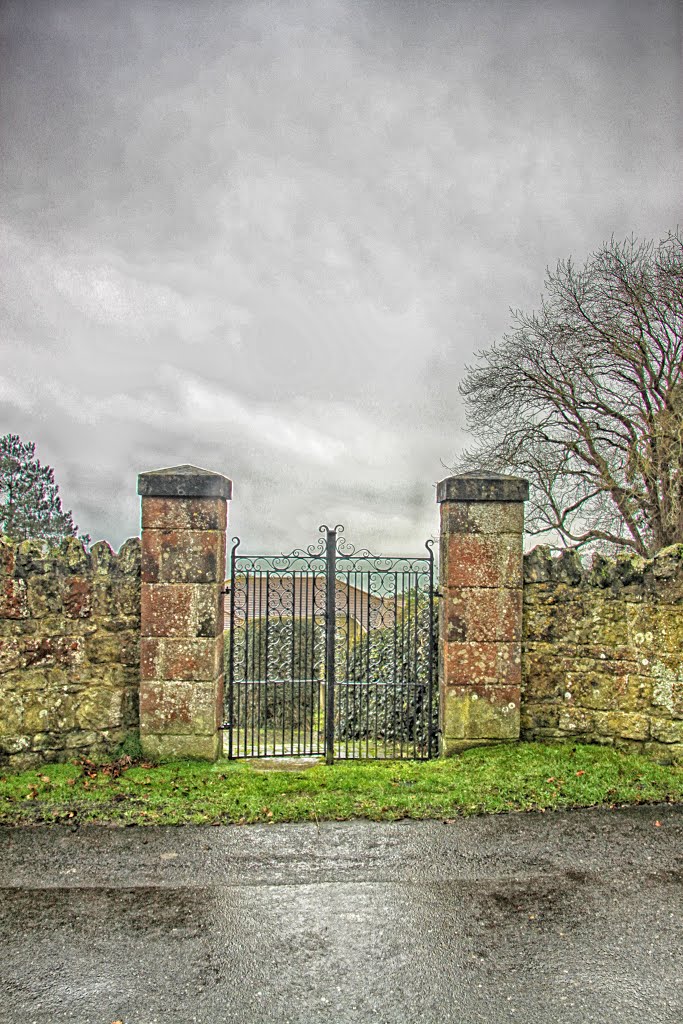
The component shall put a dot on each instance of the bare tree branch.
(584, 397)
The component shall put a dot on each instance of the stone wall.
(69, 649)
(602, 654)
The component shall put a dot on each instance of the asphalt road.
(549, 918)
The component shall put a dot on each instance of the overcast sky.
(266, 237)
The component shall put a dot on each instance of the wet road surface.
(548, 918)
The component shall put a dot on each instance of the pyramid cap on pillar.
(184, 482)
(482, 485)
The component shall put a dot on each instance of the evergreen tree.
(30, 505)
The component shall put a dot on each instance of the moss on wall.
(69, 649)
(602, 649)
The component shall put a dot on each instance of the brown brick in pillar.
(184, 519)
(480, 616)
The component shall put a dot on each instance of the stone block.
(15, 744)
(49, 711)
(23, 679)
(666, 672)
(103, 558)
(573, 720)
(77, 596)
(665, 624)
(128, 558)
(99, 708)
(7, 557)
(666, 731)
(130, 707)
(47, 741)
(13, 599)
(10, 654)
(600, 690)
(664, 753)
(471, 560)
(181, 609)
(483, 613)
(489, 518)
(481, 712)
(183, 556)
(52, 651)
(167, 658)
(22, 762)
(184, 514)
(169, 747)
(103, 648)
(43, 595)
(622, 724)
(181, 708)
(126, 598)
(543, 672)
(12, 717)
(130, 648)
(76, 740)
(475, 663)
(103, 599)
(534, 717)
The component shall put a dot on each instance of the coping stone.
(480, 485)
(184, 482)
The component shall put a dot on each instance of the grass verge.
(488, 780)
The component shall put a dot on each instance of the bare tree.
(584, 397)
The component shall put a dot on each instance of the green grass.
(518, 777)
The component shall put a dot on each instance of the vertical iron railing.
(330, 636)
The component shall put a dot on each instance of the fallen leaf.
(581, 773)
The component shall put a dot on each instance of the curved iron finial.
(235, 544)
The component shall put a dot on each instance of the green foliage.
(394, 661)
(391, 663)
(283, 650)
(30, 506)
(130, 747)
(488, 780)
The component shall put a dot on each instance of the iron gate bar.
(330, 636)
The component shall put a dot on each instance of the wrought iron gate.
(331, 651)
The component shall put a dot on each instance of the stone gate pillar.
(184, 519)
(480, 614)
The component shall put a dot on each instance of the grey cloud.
(266, 238)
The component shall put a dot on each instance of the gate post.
(184, 519)
(480, 611)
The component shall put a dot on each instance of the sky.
(266, 238)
